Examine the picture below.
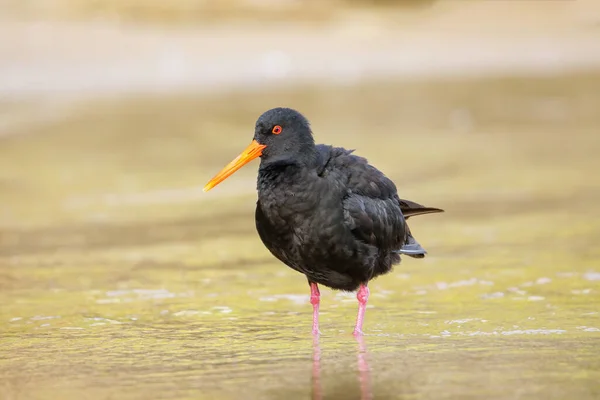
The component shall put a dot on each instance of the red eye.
(277, 130)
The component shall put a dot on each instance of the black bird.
(323, 211)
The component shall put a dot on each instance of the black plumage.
(324, 211)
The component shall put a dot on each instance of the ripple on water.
(190, 313)
(129, 295)
(465, 320)
(294, 298)
(464, 282)
(222, 309)
(494, 295)
(588, 329)
(97, 321)
(536, 298)
(514, 332)
(582, 291)
(44, 317)
(592, 276)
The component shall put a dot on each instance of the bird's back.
(377, 199)
(372, 211)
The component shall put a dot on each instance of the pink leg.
(315, 298)
(362, 296)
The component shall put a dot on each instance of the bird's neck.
(304, 158)
(286, 171)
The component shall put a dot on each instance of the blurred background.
(120, 278)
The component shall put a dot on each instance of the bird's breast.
(287, 207)
(291, 193)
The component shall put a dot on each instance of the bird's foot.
(357, 332)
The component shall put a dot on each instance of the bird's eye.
(277, 130)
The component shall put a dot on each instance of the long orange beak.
(253, 150)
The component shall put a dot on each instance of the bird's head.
(279, 133)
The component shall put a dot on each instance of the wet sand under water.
(120, 279)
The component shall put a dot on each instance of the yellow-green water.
(119, 278)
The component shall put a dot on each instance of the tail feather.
(410, 208)
(411, 247)
(425, 210)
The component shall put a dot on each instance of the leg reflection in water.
(317, 390)
(364, 378)
(364, 375)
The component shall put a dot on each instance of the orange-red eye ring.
(277, 130)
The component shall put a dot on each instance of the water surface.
(120, 279)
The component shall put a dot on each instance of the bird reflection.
(364, 378)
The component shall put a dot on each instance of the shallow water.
(119, 279)
(462, 338)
